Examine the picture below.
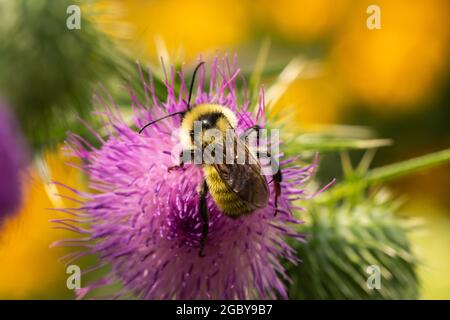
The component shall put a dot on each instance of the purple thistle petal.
(145, 220)
(12, 162)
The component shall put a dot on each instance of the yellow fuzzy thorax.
(187, 124)
(226, 200)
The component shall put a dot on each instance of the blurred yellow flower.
(186, 27)
(300, 20)
(314, 99)
(28, 267)
(401, 63)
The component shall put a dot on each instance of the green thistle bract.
(343, 241)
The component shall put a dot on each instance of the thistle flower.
(12, 160)
(143, 221)
(346, 242)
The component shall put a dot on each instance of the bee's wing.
(245, 180)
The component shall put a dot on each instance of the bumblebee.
(238, 187)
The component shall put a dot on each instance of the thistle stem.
(337, 144)
(384, 174)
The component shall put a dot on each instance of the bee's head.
(205, 123)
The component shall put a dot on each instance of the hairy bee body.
(225, 198)
(237, 189)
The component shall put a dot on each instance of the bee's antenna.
(192, 84)
(188, 102)
(152, 122)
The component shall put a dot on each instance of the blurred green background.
(390, 83)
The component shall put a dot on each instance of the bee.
(237, 188)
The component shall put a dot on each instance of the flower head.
(12, 160)
(144, 221)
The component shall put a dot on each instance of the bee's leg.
(253, 128)
(277, 179)
(181, 162)
(247, 132)
(203, 208)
